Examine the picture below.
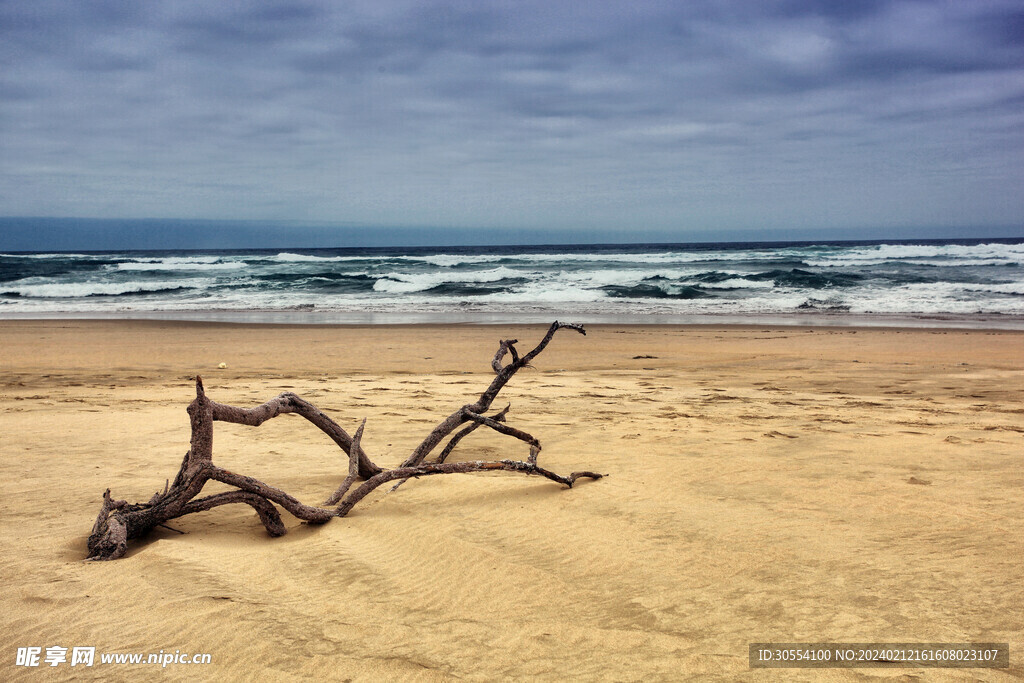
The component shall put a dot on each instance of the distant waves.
(922, 278)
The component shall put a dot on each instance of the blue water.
(937, 279)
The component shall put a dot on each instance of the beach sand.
(765, 484)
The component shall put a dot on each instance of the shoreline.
(349, 318)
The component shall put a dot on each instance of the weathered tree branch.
(483, 404)
(268, 514)
(453, 468)
(290, 403)
(119, 522)
(353, 468)
(466, 431)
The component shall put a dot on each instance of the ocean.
(972, 283)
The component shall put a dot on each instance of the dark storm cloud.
(611, 115)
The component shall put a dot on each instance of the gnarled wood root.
(119, 522)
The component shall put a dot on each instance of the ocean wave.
(79, 290)
(898, 279)
(289, 257)
(921, 254)
(935, 298)
(177, 265)
(54, 256)
(832, 303)
(452, 260)
(401, 283)
(655, 292)
(998, 288)
(547, 294)
(53, 269)
(282, 278)
(638, 259)
(458, 289)
(804, 278)
(737, 283)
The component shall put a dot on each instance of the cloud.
(605, 116)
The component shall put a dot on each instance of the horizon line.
(573, 245)
(66, 234)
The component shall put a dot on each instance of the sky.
(336, 123)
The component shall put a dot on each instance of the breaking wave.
(933, 278)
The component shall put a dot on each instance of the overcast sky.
(683, 119)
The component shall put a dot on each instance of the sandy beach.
(764, 484)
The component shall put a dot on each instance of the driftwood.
(119, 521)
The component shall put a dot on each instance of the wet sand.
(765, 484)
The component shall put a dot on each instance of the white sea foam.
(735, 283)
(288, 257)
(54, 256)
(399, 283)
(840, 263)
(921, 254)
(599, 257)
(545, 293)
(934, 298)
(449, 260)
(603, 277)
(998, 288)
(177, 264)
(76, 290)
(1004, 288)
